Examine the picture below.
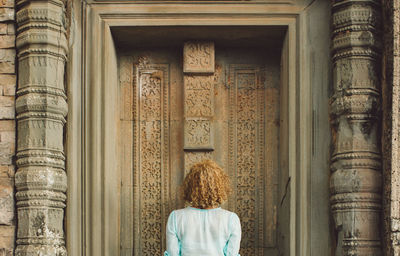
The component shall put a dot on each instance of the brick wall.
(7, 126)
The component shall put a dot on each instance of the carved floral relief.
(246, 152)
(199, 96)
(198, 57)
(152, 136)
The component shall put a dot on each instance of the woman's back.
(194, 232)
(204, 229)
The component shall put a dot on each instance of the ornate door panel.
(247, 116)
(171, 118)
(151, 117)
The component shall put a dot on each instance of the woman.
(203, 228)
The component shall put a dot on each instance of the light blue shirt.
(203, 232)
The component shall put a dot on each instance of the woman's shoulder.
(227, 212)
(178, 212)
(191, 210)
(219, 211)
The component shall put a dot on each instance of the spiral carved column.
(355, 113)
(41, 108)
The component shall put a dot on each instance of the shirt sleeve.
(233, 244)
(173, 243)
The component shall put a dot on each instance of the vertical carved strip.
(198, 63)
(271, 164)
(260, 122)
(127, 203)
(41, 108)
(151, 131)
(246, 159)
(356, 159)
(247, 153)
(136, 166)
(232, 135)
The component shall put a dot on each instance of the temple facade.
(105, 105)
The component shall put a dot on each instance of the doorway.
(237, 106)
(106, 31)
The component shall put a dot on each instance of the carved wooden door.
(180, 105)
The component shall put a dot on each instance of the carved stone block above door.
(198, 57)
(199, 96)
(199, 134)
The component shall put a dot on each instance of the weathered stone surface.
(7, 151)
(8, 80)
(7, 90)
(198, 57)
(7, 3)
(7, 55)
(7, 171)
(7, 239)
(7, 127)
(391, 129)
(7, 14)
(7, 112)
(7, 41)
(3, 28)
(246, 122)
(6, 202)
(356, 179)
(199, 96)
(6, 252)
(7, 68)
(41, 108)
(11, 28)
(199, 134)
(8, 136)
(7, 60)
(7, 101)
(41, 71)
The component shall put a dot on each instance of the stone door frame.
(92, 86)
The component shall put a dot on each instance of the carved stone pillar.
(355, 109)
(41, 108)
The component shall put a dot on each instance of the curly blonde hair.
(206, 185)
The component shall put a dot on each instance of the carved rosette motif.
(199, 110)
(151, 158)
(199, 96)
(198, 63)
(198, 134)
(355, 109)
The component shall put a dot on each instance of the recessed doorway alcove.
(244, 96)
(264, 117)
